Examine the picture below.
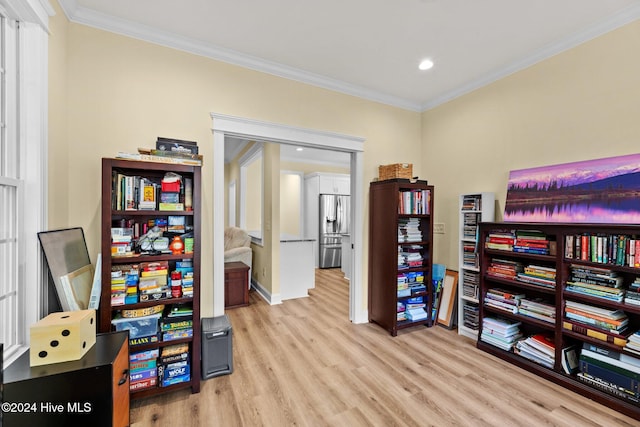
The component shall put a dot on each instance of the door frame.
(225, 125)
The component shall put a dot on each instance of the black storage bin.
(217, 348)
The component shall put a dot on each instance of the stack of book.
(596, 282)
(471, 203)
(174, 365)
(504, 268)
(611, 371)
(416, 314)
(470, 284)
(410, 256)
(538, 348)
(597, 322)
(470, 226)
(538, 309)
(502, 333)
(177, 324)
(633, 343)
(409, 230)
(503, 300)
(471, 316)
(500, 240)
(124, 284)
(143, 369)
(469, 255)
(632, 296)
(153, 284)
(538, 275)
(531, 242)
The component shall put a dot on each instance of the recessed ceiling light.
(425, 64)
(299, 149)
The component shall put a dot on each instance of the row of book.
(595, 282)
(616, 372)
(414, 202)
(471, 203)
(134, 192)
(523, 241)
(159, 367)
(149, 281)
(470, 255)
(613, 372)
(515, 270)
(518, 303)
(471, 315)
(470, 284)
(616, 249)
(470, 226)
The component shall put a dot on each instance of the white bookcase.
(474, 208)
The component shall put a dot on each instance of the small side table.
(236, 284)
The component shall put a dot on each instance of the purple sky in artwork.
(577, 172)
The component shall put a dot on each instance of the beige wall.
(124, 93)
(110, 93)
(290, 203)
(578, 105)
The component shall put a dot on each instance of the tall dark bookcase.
(566, 259)
(393, 203)
(113, 216)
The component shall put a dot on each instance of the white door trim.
(225, 125)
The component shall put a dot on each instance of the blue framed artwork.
(592, 191)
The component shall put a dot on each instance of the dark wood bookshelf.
(385, 216)
(562, 261)
(111, 217)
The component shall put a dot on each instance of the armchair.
(237, 247)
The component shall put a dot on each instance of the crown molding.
(625, 16)
(105, 22)
(127, 28)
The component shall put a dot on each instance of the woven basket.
(396, 170)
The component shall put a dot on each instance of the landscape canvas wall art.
(593, 191)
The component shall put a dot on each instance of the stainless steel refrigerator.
(334, 222)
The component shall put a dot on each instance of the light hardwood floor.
(302, 363)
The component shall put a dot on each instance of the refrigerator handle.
(339, 213)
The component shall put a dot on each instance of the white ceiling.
(367, 48)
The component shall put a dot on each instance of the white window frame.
(26, 100)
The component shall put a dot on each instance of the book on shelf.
(612, 354)
(619, 339)
(570, 362)
(607, 387)
(530, 348)
(629, 369)
(598, 369)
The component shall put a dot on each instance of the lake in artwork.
(593, 191)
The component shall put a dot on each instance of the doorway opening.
(225, 126)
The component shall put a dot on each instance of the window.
(23, 102)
